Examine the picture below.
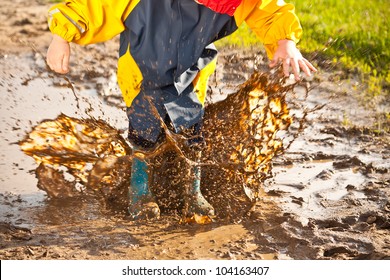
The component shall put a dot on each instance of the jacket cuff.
(63, 26)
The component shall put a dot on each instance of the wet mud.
(325, 196)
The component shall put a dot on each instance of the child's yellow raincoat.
(166, 48)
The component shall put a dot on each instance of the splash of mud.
(76, 156)
(243, 129)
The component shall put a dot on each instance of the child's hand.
(58, 55)
(290, 56)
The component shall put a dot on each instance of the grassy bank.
(352, 33)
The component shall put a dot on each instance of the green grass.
(351, 33)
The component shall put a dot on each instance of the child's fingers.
(304, 67)
(52, 61)
(56, 65)
(286, 67)
(65, 63)
(296, 69)
(59, 63)
(307, 67)
(311, 67)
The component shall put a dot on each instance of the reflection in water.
(67, 211)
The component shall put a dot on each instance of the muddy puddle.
(327, 198)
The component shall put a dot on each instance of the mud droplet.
(325, 174)
(371, 219)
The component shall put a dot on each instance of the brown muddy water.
(327, 198)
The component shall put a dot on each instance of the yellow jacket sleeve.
(89, 21)
(271, 21)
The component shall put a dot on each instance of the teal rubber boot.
(142, 204)
(197, 203)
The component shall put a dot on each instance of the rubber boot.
(197, 203)
(142, 204)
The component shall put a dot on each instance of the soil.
(328, 197)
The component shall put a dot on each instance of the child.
(165, 58)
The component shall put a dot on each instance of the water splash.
(88, 155)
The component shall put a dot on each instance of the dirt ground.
(328, 197)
